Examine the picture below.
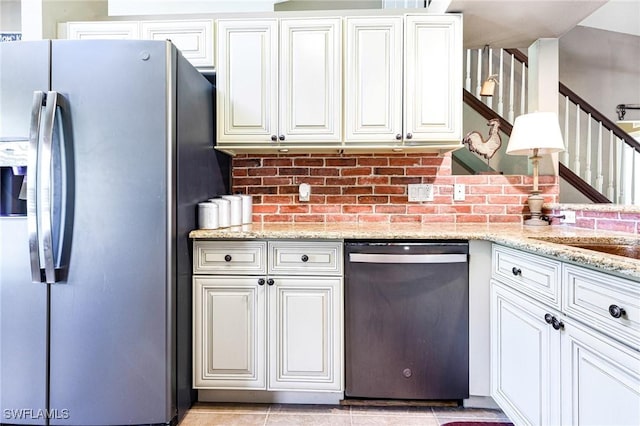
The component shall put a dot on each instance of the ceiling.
(516, 23)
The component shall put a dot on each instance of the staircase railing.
(598, 154)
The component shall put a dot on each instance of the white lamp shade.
(535, 130)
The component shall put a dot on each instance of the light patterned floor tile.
(223, 419)
(309, 420)
(229, 407)
(309, 409)
(403, 420)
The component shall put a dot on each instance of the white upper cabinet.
(373, 79)
(247, 81)
(194, 38)
(404, 94)
(107, 30)
(279, 81)
(433, 78)
(400, 87)
(310, 80)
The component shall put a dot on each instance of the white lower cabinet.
(304, 332)
(551, 368)
(229, 333)
(264, 331)
(525, 356)
(600, 379)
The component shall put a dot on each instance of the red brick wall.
(373, 188)
(606, 221)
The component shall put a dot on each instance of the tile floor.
(210, 414)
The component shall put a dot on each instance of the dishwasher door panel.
(407, 327)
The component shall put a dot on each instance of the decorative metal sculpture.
(485, 148)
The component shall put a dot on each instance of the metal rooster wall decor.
(485, 148)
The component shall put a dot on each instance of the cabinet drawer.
(531, 274)
(593, 298)
(230, 257)
(305, 258)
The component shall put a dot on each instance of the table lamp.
(538, 134)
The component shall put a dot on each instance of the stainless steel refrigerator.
(95, 280)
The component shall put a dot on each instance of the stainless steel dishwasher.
(407, 320)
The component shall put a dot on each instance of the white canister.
(208, 215)
(236, 209)
(247, 208)
(224, 211)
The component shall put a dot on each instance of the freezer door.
(110, 338)
(24, 68)
(23, 328)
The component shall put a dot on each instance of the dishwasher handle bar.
(407, 258)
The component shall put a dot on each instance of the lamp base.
(535, 202)
(534, 221)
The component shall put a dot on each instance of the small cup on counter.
(247, 209)
(224, 211)
(235, 209)
(208, 217)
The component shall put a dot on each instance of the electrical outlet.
(458, 192)
(569, 216)
(420, 192)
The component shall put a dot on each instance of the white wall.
(10, 16)
(602, 67)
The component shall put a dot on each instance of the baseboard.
(480, 402)
(270, 397)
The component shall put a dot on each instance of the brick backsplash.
(373, 188)
(606, 220)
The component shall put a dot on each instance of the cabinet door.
(310, 80)
(373, 79)
(194, 38)
(106, 30)
(229, 333)
(525, 358)
(600, 379)
(305, 334)
(433, 78)
(247, 78)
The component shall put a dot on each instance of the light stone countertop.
(596, 207)
(546, 241)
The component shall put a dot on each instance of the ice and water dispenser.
(13, 172)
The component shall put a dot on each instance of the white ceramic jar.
(224, 211)
(208, 216)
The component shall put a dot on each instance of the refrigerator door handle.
(32, 179)
(45, 214)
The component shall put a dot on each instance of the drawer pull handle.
(261, 281)
(516, 271)
(304, 258)
(270, 281)
(548, 318)
(616, 311)
(556, 324)
(227, 258)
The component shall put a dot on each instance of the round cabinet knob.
(398, 136)
(270, 281)
(557, 325)
(548, 318)
(616, 311)
(407, 373)
(409, 135)
(227, 258)
(304, 258)
(261, 281)
(281, 137)
(516, 271)
(274, 138)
